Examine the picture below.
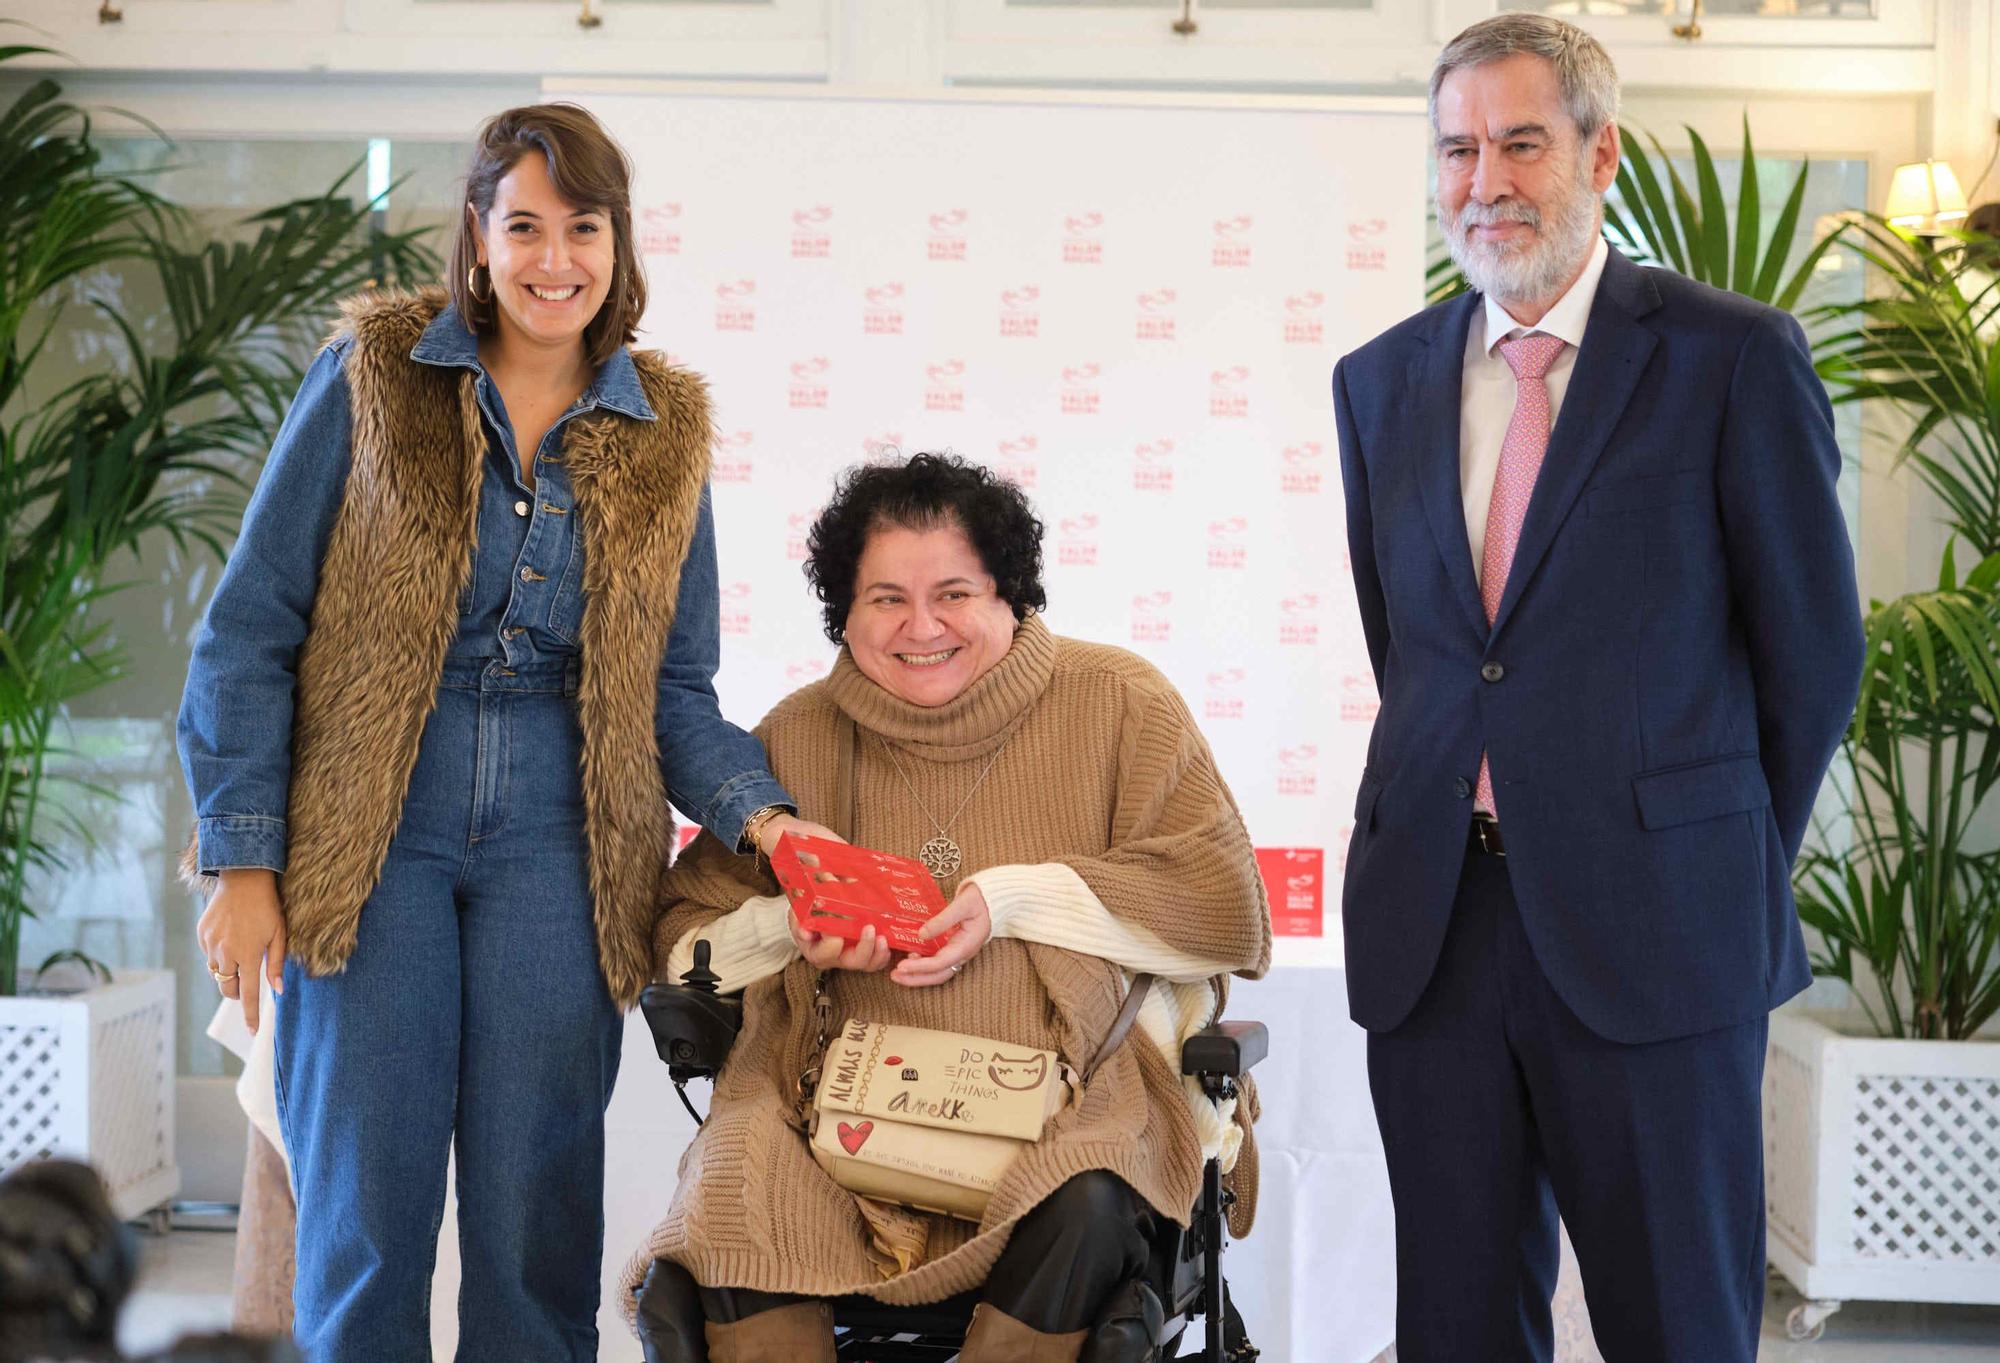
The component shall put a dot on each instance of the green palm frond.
(157, 441)
(1659, 220)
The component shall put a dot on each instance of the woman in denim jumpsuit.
(473, 1005)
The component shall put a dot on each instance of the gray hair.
(1584, 73)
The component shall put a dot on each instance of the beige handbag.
(927, 1119)
(933, 1120)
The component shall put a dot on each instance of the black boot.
(1128, 1331)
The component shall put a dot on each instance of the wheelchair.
(693, 1028)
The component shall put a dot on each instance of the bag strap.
(843, 776)
(822, 1004)
(1127, 1015)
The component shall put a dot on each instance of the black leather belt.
(1486, 835)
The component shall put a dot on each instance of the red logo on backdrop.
(944, 386)
(797, 526)
(685, 834)
(1295, 879)
(878, 448)
(1300, 475)
(808, 390)
(1298, 620)
(1077, 545)
(736, 608)
(1231, 247)
(947, 239)
(1017, 461)
(1081, 245)
(1153, 466)
(1228, 392)
(659, 230)
(805, 670)
(810, 239)
(1344, 835)
(882, 310)
(1304, 323)
(1364, 248)
(735, 306)
(1081, 394)
(1358, 702)
(1224, 698)
(1226, 548)
(732, 458)
(1021, 312)
(1156, 316)
(1152, 618)
(1298, 770)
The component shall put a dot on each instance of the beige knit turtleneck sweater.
(1097, 766)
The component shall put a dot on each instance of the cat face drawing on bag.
(1022, 1076)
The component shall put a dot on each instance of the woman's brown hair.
(589, 171)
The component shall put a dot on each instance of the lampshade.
(1924, 196)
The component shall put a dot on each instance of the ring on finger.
(219, 976)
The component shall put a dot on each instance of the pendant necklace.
(941, 856)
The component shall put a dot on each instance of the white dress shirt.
(1486, 402)
(1486, 395)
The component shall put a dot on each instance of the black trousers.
(1498, 1107)
(1060, 1266)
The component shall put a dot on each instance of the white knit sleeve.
(746, 944)
(1051, 904)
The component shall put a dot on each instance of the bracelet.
(754, 825)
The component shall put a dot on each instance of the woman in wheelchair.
(1075, 821)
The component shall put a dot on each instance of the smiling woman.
(457, 747)
(1062, 797)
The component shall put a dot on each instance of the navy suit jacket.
(1674, 660)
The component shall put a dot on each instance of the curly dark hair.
(66, 1263)
(925, 492)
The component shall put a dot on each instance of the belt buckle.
(1488, 830)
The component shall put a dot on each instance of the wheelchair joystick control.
(701, 977)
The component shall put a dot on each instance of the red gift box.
(838, 889)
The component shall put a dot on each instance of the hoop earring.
(472, 285)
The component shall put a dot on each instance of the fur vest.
(386, 611)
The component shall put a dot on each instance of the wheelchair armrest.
(693, 1029)
(1226, 1049)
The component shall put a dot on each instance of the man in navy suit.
(1610, 602)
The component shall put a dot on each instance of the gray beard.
(1537, 272)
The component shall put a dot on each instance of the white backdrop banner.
(1128, 305)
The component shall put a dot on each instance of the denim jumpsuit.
(473, 1005)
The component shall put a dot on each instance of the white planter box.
(91, 1076)
(1881, 1165)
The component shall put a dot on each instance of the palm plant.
(1908, 896)
(155, 442)
(1662, 222)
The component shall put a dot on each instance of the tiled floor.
(184, 1285)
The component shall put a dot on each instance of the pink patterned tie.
(1520, 462)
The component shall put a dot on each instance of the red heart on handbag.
(852, 1137)
(893, 1061)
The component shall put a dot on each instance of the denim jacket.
(236, 714)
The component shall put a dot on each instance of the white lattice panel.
(131, 1094)
(30, 1101)
(1926, 1181)
(1882, 1168)
(90, 1076)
